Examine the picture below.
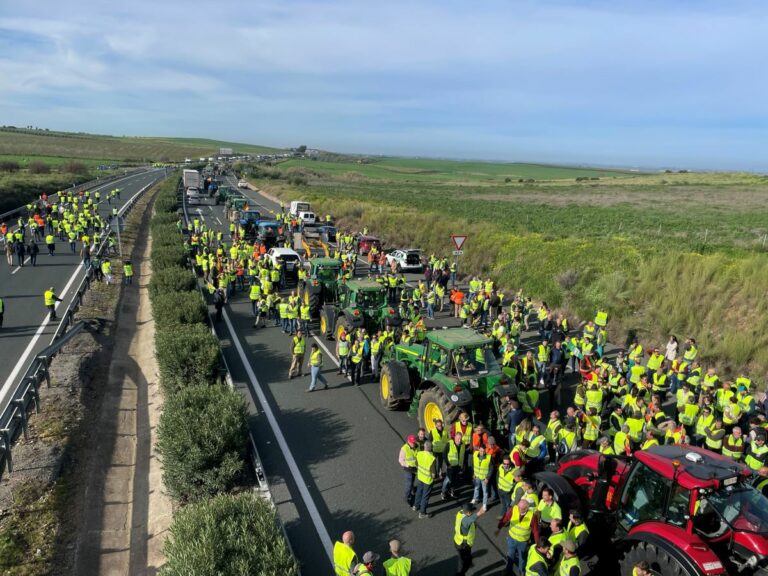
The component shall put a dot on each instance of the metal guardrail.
(26, 396)
(80, 187)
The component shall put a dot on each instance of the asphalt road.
(26, 329)
(333, 464)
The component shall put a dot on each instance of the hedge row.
(202, 433)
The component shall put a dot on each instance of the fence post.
(7, 447)
(22, 415)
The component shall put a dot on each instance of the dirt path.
(127, 513)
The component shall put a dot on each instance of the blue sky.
(646, 83)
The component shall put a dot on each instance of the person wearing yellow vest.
(577, 532)
(298, 346)
(50, 242)
(356, 362)
(440, 439)
(537, 563)
(505, 483)
(254, 295)
(519, 518)
(397, 565)
(570, 565)
(761, 481)
(757, 453)
(642, 568)
(407, 461)
(344, 557)
(455, 458)
(106, 269)
(621, 442)
(128, 272)
(481, 468)
(315, 368)
(365, 568)
(547, 510)
(464, 536)
(733, 444)
(604, 446)
(425, 475)
(50, 299)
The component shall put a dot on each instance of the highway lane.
(346, 448)
(25, 328)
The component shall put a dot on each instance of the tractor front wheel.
(434, 404)
(326, 325)
(394, 381)
(660, 561)
(342, 325)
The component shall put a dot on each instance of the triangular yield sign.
(458, 241)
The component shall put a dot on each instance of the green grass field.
(55, 161)
(682, 253)
(112, 148)
(421, 170)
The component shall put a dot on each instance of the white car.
(289, 258)
(193, 196)
(307, 217)
(405, 260)
(242, 184)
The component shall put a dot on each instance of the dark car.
(327, 233)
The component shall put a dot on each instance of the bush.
(9, 166)
(173, 279)
(235, 535)
(202, 437)
(186, 358)
(73, 167)
(171, 308)
(166, 256)
(39, 167)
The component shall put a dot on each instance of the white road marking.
(219, 221)
(19, 267)
(314, 514)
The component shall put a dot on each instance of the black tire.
(315, 303)
(342, 321)
(449, 412)
(394, 380)
(661, 562)
(326, 324)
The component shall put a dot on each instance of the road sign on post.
(458, 241)
(458, 252)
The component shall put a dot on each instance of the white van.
(307, 217)
(298, 206)
(193, 196)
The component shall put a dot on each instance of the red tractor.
(684, 510)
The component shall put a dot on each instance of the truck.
(453, 370)
(298, 206)
(685, 510)
(360, 303)
(191, 179)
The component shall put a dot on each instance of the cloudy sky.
(643, 83)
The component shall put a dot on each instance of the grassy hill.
(662, 253)
(27, 145)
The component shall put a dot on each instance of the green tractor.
(222, 194)
(453, 370)
(360, 304)
(322, 286)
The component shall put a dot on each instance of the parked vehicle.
(307, 217)
(191, 179)
(290, 261)
(298, 206)
(242, 184)
(405, 260)
(366, 242)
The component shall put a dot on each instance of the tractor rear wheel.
(661, 562)
(394, 380)
(326, 325)
(434, 404)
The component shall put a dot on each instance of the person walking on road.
(9, 252)
(218, 302)
(519, 518)
(298, 345)
(464, 536)
(50, 242)
(344, 557)
(315, 368)
(106, 269)
(20, 253)
(407, 460)
(50, 299)
(425, 475)
(33, 249)
(397, 565)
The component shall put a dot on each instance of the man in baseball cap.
(366, 567)
(407, 460)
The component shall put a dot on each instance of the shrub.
(227, 534)
(73, 167)
(9, 166)
(186, 358)
(202, 438)
(169, 308)
(173, 279)
(568, 279)
(166, 256)
(38, 167)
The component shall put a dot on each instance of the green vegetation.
(680, 253)
(232, 535)
(202, 439)
(18, 188)
(108, 149)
